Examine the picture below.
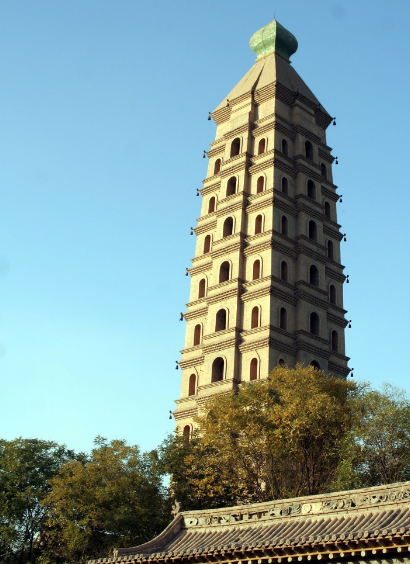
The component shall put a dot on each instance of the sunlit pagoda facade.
(266, 279)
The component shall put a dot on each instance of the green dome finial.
(273, 38)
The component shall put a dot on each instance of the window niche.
(192, 385)
(211, 205)
(255, 317)
(312, 230)
(284, 271)
(260, 184)
(207, 244)
(228, 227)
(261, 146)
(258, 224)
(314, 275)
(309, 150)
(197, 335)
(253, 371)
(201, 288)
(311, 190)
(231, 186)
(220, 320)
(224, 271)
(314, 323)
(218, 369)
(235, 147)
(284, 225)
(283, 319)
(256, 270)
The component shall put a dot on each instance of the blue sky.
(103, 120)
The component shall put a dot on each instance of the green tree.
(377, 451)
(26, 466)
(114, 499)
(277, 438)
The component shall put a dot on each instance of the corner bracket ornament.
(176, 508)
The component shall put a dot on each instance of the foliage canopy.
(299, 432)
(276, 438)
(26, 468)
(113, 499)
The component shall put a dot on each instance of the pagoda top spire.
(273, 38)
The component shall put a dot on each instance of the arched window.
(260, 184)
(281, 363)
(327, 210)
(330, 249)
(283, 318)
(285, 147)
(201, 288)
(220, 323)
(315, 364)
(207, 244)
(254, 369)
(311, 190)
(284, 271)
(309, 150)
(217, 166)
(231, 186)
(235, 147)
(192, 385)
(314, 275)
(312, 230)
(285, 185)
(258, 224)
(186, 433)
(218, 367)
(323, 170)
(197, 335)
(228, 227)
(211, 205)
(261, 146)
(256, 271)
(314, 323)
(255, 317)
(332, 294)
(335, 341)
(224, 272)
(284, 225)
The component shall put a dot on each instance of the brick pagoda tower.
(266, 280)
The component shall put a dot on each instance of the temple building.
(267, 279)
(362, 526)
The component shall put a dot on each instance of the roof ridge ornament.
(273, 38)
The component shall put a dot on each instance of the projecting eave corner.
(158, 542)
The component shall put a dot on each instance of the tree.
(113, 499)
(377, 451)
(26, 466)
(277, 438)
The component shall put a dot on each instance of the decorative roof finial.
(273, 38)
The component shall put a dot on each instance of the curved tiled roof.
(359, 523)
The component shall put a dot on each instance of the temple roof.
(273, 44)
(352, 523)
(267, 71)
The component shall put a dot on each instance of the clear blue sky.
(103, 120)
